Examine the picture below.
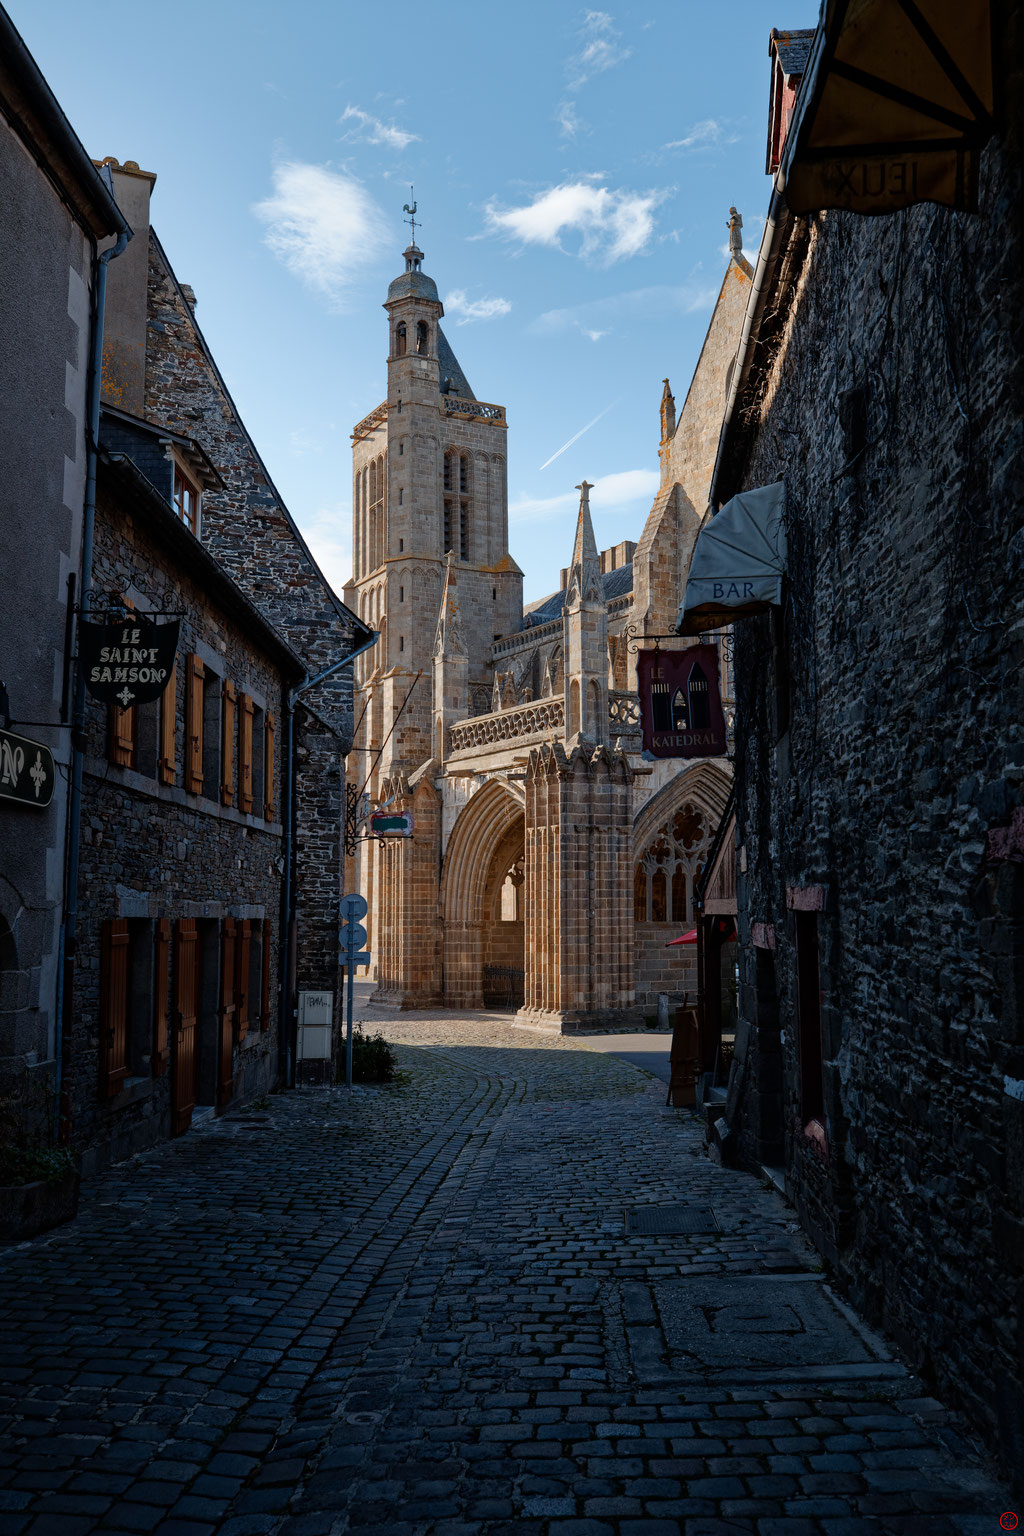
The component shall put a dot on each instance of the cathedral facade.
(551, 860)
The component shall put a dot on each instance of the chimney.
(124, 330)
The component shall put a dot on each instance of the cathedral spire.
(449, 639)
(584, 584)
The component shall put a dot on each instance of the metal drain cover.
(669, 1220)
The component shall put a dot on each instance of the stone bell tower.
(430, 501)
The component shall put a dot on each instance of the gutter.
(288, 1026)
(776, 229)
(69, 927)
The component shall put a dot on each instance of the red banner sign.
(680, 702)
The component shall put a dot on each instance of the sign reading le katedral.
(26, 770)
(680, 703)
(128, 662)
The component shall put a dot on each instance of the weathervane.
(411, 211)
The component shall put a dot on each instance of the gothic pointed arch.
(484, 847)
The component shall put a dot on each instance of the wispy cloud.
(466, 310)
(612, 225)
(609, 493)
(370, 130)
(569, 120)
(596, 319)
(323, 225)
(576, 437)
(327, 532)
(707, 134)
(600, 49)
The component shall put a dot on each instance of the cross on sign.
(125, 696)
(37, 773)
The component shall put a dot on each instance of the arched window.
(511, 894)
(422, 337)
(669, 866)
(400, 339)
(594, 709)
(574, 707)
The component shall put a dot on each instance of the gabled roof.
(448, 367)
(613, 584)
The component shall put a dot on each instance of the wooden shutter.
(186, 993)
(245, 754)
(194, 726)
(227, 745)
(242, 978)
(122, 736)
(226, 1057)
(268, 767)
(169, 728)
(265, 978)
(114, 1007)
(161, 990)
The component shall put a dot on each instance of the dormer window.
(186, 500)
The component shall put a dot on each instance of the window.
(134, 1001)
(194, 725)
(401, 545)
(258, 728)
(186, 500)
(401, 642)
(168, 728)
(422, 337)
(227, 740)
(400, 339)
(457, 503)
(401, 497)
(401, 594)
(268, 768)
(212, 715)
(511, 894)
(666, 873)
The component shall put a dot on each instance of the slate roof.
(448, 365)
(613, 584)
(413, 285)
(793, 49)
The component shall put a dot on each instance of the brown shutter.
(122, 736)
(245, 755)
(114, 1007)
(268, 767)
(162, 964)
(227, 745)
(265, 978)
(242, 979)
(169, 728)
(194, 726)
(226, 1067)
(186, 992)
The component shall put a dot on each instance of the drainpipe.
(69, 927)
(288, 1028)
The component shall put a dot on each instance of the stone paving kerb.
(415, 1310)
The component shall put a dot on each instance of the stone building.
(549, 863)
(879, 758)
(158, 369)
(56, 211)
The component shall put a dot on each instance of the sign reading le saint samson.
(128, 662)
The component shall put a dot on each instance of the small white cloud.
(596, 318)
(704, 135)
(569, 120)
(370, 130)
(467, 310)
(324, 226)
(608, 493)
(600, 49)
(612, 225)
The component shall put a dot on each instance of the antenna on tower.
(411, 211)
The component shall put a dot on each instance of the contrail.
(579, 434)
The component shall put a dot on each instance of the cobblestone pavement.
(416, 1311)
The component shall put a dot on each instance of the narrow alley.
(443, 1308)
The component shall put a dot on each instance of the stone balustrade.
(623, 713)
(541, 717)
(378, 415)
(478, 409)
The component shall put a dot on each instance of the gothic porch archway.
(486, 841)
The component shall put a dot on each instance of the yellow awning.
(900, 105)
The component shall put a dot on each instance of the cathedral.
(551, 859)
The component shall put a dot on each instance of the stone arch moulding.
(474, 839)
(705, 785)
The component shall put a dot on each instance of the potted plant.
(38, 1182)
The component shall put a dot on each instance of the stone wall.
(880, 758)
(154, 850)
(672, 971)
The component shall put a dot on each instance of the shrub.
(373, 1059)
(24, 1165)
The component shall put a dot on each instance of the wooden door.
(226, 1059)
(186, 993)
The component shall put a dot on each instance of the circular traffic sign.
(353, 905)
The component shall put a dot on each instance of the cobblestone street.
(417, 1310)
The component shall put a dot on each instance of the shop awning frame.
(739, 561)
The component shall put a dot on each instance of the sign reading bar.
(391, 824)
(26, 771)
(129, 662)
(680, 703)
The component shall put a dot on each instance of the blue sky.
(573, 168)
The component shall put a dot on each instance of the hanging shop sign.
(128, 662)
(391, 823)
(680, 702)
(27, 773)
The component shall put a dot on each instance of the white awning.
(738, 562)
